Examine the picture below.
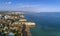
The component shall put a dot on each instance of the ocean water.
(47, 23)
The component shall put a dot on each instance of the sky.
(30, 5)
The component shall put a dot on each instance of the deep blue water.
(47, 23)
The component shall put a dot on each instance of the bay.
(47, 23)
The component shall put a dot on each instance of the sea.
(47, 23)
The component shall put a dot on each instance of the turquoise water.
(47, 24)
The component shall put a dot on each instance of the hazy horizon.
(30, 5)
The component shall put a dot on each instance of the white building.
(0, 16)
(30, 23)
(16, 17)
(22, 20)
(7, 17)
(22, 16)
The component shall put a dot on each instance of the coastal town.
(14, 24)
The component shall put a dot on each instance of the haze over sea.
(47, 23)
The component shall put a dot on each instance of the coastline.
(25, 30)
(17, 20)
